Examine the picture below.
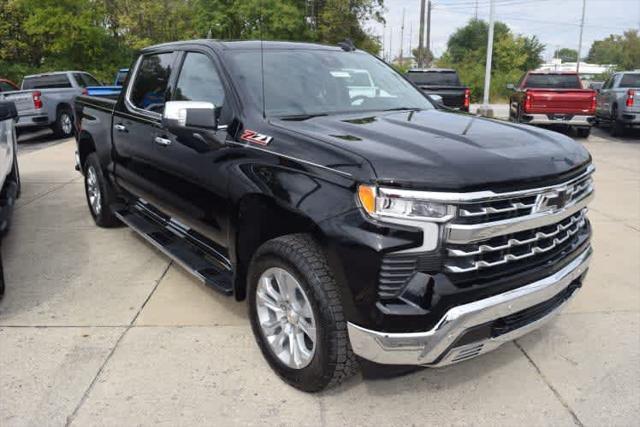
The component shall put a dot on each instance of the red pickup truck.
(553, 98)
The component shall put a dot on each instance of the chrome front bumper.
(437, 346)
(543, 119)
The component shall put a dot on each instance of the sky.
(555, 22)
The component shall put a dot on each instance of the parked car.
(619, 102)
(7, 86)
(387, 229)
(46, 100)
(110, 91)
(9, 173)
(443, 82)
(553, 98)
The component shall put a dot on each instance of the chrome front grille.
(502, 250)
(497, 208)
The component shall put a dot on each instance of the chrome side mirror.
(511, 86)
(437, 99)
(190, 114)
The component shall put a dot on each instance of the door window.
(199, 81)
(149, 89)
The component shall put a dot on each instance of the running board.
(203, 262)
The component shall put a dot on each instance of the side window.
(609, 83)
(150, 85)
(199, 81)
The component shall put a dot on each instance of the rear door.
(191, 165)
(136, 122)
(603, 103)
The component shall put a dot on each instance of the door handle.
(120, 128)
(162, 141)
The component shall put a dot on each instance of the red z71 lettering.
(255, 137)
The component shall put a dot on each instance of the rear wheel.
(296, 314)
(583, 132)
(63, 126)
(99, 193)
(617, 127)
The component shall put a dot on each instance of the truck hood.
(434, 149)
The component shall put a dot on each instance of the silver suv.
(618, 102)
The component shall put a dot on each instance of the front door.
(192, 164)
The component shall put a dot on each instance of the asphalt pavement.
(99, 328)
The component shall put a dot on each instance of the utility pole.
(584, 6)
(384, 35)
(423, 6)
(411, 40)
(429, 28)
(402, 39)
(485, 110)
(391, 45)
(476, 16)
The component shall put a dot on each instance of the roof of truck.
(245, 45)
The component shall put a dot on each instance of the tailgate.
(23, 101)
(567, 101)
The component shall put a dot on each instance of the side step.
(175, 241)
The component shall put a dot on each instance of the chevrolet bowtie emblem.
(552, 201)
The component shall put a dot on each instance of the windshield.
(446, 78)
(553, 81)
(630, 80)
(311, 82)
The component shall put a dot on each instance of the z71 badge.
(256, 138)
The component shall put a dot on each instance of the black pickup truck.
(443, 82)
(357, 226)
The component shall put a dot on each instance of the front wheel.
(296, 314)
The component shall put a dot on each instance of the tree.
(620, 50)
(512, 55)
(566, 54)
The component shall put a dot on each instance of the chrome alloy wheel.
(93, 190)
(66, 124)
(286, 318)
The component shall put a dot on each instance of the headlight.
(386, 202)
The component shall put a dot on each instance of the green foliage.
(512, 56)
(566, 54)
(101, 36)
(620, 50)
(423, 55)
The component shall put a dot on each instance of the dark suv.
(355, 223)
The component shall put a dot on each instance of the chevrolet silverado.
(357, 226)
(545, 98)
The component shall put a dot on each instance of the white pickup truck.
(46, 100)
(9, 174)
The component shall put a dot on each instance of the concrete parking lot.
(98, 328)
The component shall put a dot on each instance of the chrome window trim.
(480, 196)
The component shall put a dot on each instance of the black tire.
(15, 175)
(63, 126)
(102, 213)
(583, 132)
(333, 360)
(617, 127)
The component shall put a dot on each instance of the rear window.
(442, 78)
(630, 80)
(553, 81)
(53, 81)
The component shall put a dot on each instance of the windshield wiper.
(302, 117)
(404, 109)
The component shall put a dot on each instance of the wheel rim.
(286, 318)
(93, 190)
(65, 123)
